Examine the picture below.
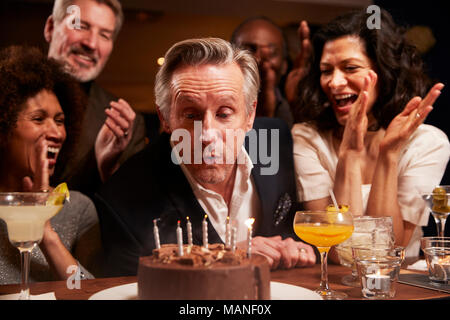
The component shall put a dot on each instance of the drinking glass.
(437, 256)
(324, 229)
(439, 203)
(378, 270)
(25, 215)
(368, 231)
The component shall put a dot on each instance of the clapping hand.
(40, 180)
(357, 121)
(300, 64)
(113, 137)
(406, 122)
(267, 99)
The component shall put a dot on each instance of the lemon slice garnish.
(59, 195)
(342, 208)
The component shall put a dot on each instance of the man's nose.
(209, 131)
(90, 40)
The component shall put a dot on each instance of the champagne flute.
(324, 229)
(25, 215)
(439, 203)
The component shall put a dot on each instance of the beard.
(82, 73)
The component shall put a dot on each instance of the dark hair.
(238, 29)
(26, 71)
(397, 63)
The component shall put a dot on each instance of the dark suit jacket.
(150, 186)
(81, 171)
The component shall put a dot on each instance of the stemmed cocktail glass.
(25, 215)
(439, 203)
(324, 229)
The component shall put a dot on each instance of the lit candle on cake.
(249, 224)
(205, 231)
(189, 231)
(233, 238)
(179, 239)
(227, 234)
(156, 234)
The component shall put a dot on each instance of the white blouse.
(421, 166)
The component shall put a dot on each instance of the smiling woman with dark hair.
(25, 72)
(360, 128)
(39, 121)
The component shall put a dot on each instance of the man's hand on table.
(284, 254)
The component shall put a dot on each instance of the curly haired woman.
(39, 120)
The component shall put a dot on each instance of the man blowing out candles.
(206, 95)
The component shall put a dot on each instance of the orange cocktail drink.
(323, 235)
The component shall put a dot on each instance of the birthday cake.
(214, 273)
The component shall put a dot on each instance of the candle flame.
(249, 222)
(206, 216)
(178, 222)
(187, 218)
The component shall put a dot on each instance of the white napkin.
(420, 265)
(44, 296)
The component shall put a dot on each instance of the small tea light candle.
(379, 282)
(228, 234)
(189, 231)
(249, 224)
(179, 239)
(156, 233)
(205, 231)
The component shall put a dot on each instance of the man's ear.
(48, 29)
(164, 124)
(251, 116)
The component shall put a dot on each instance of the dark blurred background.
(151, 27)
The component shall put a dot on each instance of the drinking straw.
(334, 200)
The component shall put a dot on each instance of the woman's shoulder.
(427, 141)
(80, 203)
(307, 133)
(429, 134)
(78, 211)
(77, 196)
(305, 129)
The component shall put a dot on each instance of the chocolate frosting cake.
(203, 274)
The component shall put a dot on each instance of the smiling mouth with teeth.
(52, 152)
(345, 99)
(84, 56)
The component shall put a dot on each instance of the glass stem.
(440, 225)
(324, 268)
(25, 266)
